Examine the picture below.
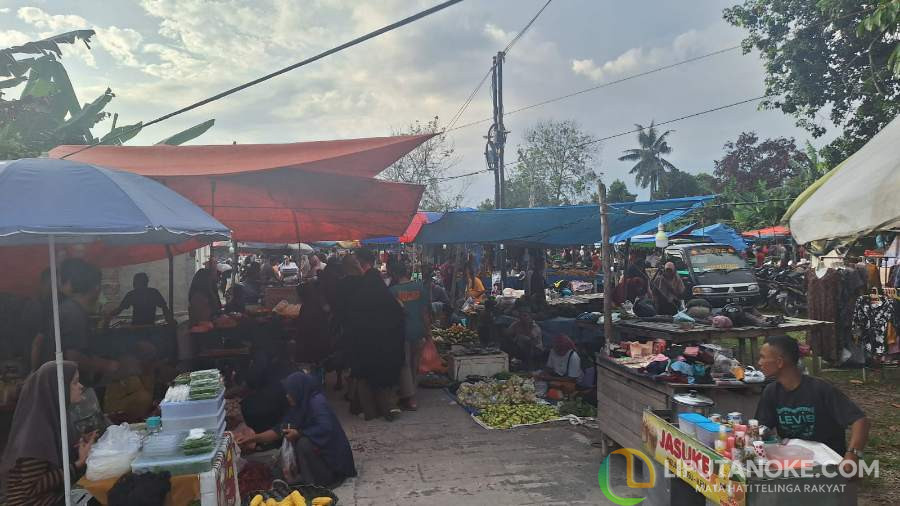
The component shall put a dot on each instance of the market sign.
(691, 461)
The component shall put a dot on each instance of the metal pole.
(606, 253)
(60, 381)
(171, 278)
(501, 129)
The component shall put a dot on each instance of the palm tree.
(650, 166)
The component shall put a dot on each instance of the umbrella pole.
(60, 381)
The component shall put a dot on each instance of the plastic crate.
(688, 422)
(189, 409)
(180, 424)
(708, 432)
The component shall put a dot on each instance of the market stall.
(704, 332)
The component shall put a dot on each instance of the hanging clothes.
(870, 322)
(822, 296)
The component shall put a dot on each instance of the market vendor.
(527, 339)
(32, 462)
(269, 273)
(143, 301)
(203, 301)
(563, 363)
(321, 450)
(803, 407)
(668, 290)
(474, 286)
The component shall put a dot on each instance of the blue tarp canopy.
(555, 226)
(722, 234)
(719, 233)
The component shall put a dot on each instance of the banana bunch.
(505, 416)
(456, 334)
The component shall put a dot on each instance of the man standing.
(804, 407)
(143, 301)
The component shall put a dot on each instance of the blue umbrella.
(51, 201)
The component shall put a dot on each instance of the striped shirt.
(35, 482)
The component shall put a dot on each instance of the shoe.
(409, 406)
(392, 415)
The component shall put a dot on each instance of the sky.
(160, 55)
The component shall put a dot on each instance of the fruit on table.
(515, 390)
(456, 334)
(505, 416)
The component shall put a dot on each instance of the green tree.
(618, 192)
(676, 184)
(555, 166)
(651, 166)
(747, 161)
(486, 205)
(47, 112)
(428, 165)
(828, 56)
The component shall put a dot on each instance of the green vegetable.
(505, 416)
(578, 408)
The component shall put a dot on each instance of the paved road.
(438, 456)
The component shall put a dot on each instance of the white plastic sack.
(289, 462)
(112, 454)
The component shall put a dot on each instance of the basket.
(280, 489)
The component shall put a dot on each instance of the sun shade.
(554, 226)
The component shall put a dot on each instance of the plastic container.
(180, 424)
(687, 422)
(708, 433)
(159, 445)
(189, 409)
(178, 464)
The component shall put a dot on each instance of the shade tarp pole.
(60, 377)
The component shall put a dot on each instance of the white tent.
(858, 197)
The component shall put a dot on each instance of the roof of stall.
(555, 226)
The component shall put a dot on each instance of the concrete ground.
(439, 456)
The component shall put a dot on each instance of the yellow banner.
(692, 461)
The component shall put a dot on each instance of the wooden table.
(638, 328)
(623, 394)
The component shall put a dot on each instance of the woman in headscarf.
(31, 469)
(203, 301)
(373, 331)
(563, 362)
(321, 448)
(668, 290)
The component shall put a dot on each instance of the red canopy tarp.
(276, 193)
(281, 193)
(768, 232)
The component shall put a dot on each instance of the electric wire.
(336, 49)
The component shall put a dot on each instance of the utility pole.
(606, 254)
(496, 137)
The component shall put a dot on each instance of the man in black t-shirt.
(143, 300)
(803, 407)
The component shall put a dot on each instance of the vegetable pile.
(201, 385)
(456, 334)
(578, 408)
(505, 416)
(198, 442)
(515, 390)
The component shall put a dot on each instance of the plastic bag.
(112, 455)
(289, 462)
(430, 360)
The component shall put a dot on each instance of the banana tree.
(47, 112)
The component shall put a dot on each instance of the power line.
(523, 30)
(604, 85)
(680, 118)
(620, 134)
(465, 105)
(358, 40)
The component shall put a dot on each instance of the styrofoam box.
(460, 367)
(178, 424)
(187, 409)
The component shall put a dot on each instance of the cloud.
(12, 38)
(4, 10)
(120, 43)
(685, 45)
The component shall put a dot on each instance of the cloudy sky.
(159, 55)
